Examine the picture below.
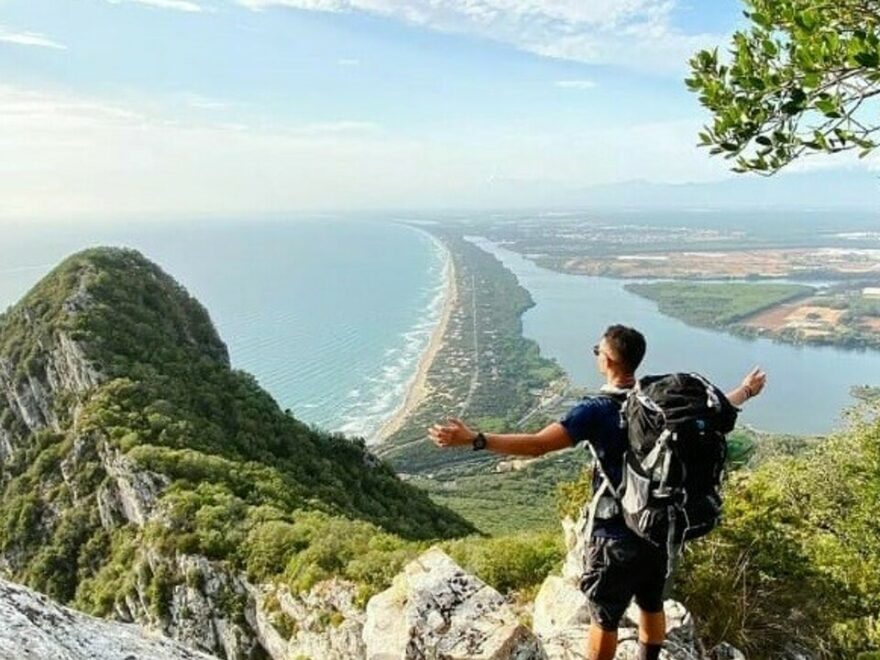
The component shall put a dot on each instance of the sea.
(332, 315)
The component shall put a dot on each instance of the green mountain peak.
(127, 444)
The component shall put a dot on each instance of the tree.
(800, 80)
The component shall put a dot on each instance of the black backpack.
(676, 426)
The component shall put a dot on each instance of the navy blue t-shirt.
(596, 420)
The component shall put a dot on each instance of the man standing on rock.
(620, 565)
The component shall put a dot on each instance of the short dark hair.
(628, 345)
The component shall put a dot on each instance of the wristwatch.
(479, 442)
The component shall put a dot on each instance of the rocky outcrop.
(435, 609)
(68, 369)
(323, 623)
(31, 392)
(560, 619)
(130, 493)
(33, 626)
(208, 610)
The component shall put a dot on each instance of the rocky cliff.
(32, 626)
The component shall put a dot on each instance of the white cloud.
(67, 156)
(28, 39)
(177, 5)
(348, 61)
(637, 34)
(200, 102)
(575, 84)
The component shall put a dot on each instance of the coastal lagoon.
(330, 315)
(808, 387)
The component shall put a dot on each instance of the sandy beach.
(418, 387)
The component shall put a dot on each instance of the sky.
(158, 108)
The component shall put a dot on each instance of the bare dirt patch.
(812, 320)
(772, 319)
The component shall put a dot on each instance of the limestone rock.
(199, 614)
(323, 623)
(435, 609)
(33, 626)
(561, 620)
(725, 651)
(130, 493)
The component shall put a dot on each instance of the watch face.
(480, 441)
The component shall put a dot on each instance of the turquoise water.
(808, 387)
(331, 316)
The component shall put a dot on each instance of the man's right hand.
(751, 386)
(455, 433)
(754, 382)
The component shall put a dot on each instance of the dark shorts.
(618, 570)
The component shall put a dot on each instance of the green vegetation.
(716, 305)
(798, 556)
(504, 503)
(510, 563)
(801, 79)
(248, 485)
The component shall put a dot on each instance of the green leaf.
(811, 80)
(868, 59)
(761, 19)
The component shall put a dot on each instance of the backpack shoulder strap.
(605, 487)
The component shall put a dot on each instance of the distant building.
(871, 292)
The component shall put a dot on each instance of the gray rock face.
(196, 617)
(31, 397)
(323, 623)
(560, 619)
(435, 609)
(131, 493)
(32, 626)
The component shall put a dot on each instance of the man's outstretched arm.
(751, 386)
(456, 433)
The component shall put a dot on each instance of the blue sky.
(163, 107)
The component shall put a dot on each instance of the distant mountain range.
(849, 188)
(819, 189)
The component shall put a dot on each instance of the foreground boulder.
(323, 623)
(33, 626)
(435, 609)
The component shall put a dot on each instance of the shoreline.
(417, 388)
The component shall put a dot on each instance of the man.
(620, 565)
